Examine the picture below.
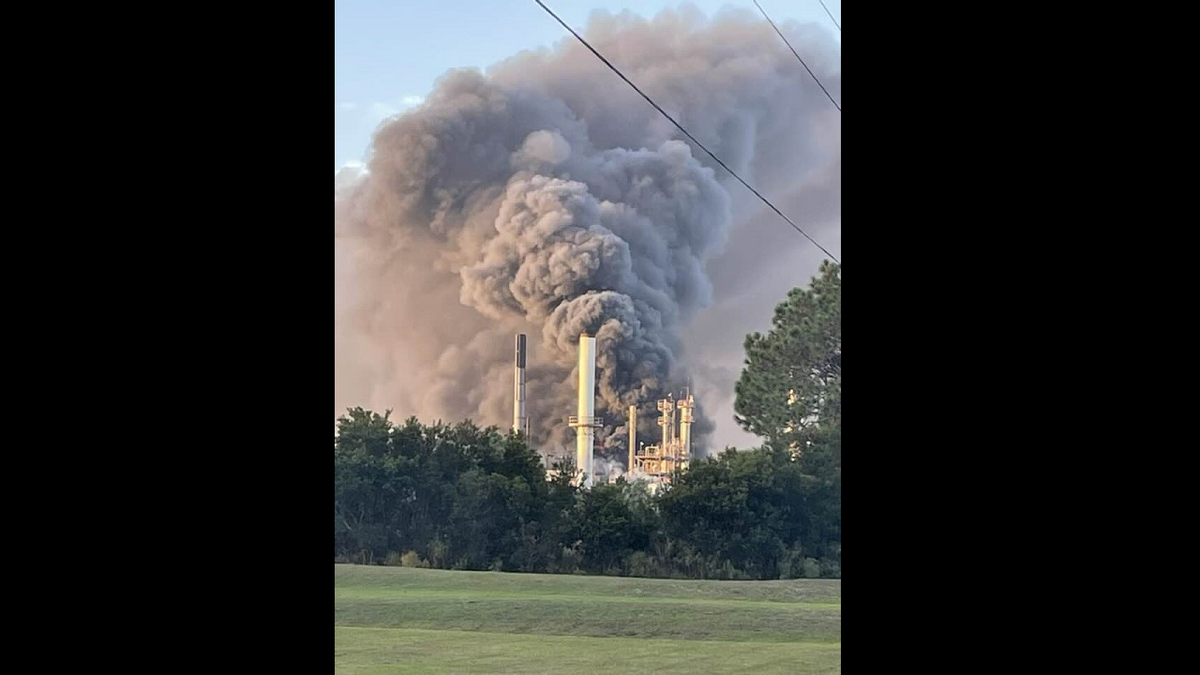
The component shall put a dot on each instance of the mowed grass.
(403, 620)
(383, 651)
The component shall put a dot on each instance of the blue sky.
(388, 53)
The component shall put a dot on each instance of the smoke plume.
(547, 197)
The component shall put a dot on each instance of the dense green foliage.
(462, 497)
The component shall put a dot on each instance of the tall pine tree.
(790, 391)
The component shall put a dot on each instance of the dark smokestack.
(520, 420)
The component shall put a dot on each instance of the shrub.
(831, 569)
(568, 562)
(411, 559)
(640, 565)
(812, 569)
(438, 551)
(791, 565)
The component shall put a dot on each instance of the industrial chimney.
(632, 439)
(520, 421)
(586, 421)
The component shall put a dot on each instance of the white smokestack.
(585, 422)
(520, 421)
(632, 437)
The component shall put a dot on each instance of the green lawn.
(402, 620)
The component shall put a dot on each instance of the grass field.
(403, 620)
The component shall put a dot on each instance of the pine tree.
(791, 386)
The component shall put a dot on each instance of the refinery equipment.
(659, 463)
(685, 407)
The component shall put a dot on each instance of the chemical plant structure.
(656, 464)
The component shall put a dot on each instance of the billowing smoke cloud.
(546, 197)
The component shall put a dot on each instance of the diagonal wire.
(685, 131)
(830, 15)
(785, 41)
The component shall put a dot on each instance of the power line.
(785, 41)
(685, 131)
(830, 15)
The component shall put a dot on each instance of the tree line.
(465, 497)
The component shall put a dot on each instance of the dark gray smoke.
(547, 197)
